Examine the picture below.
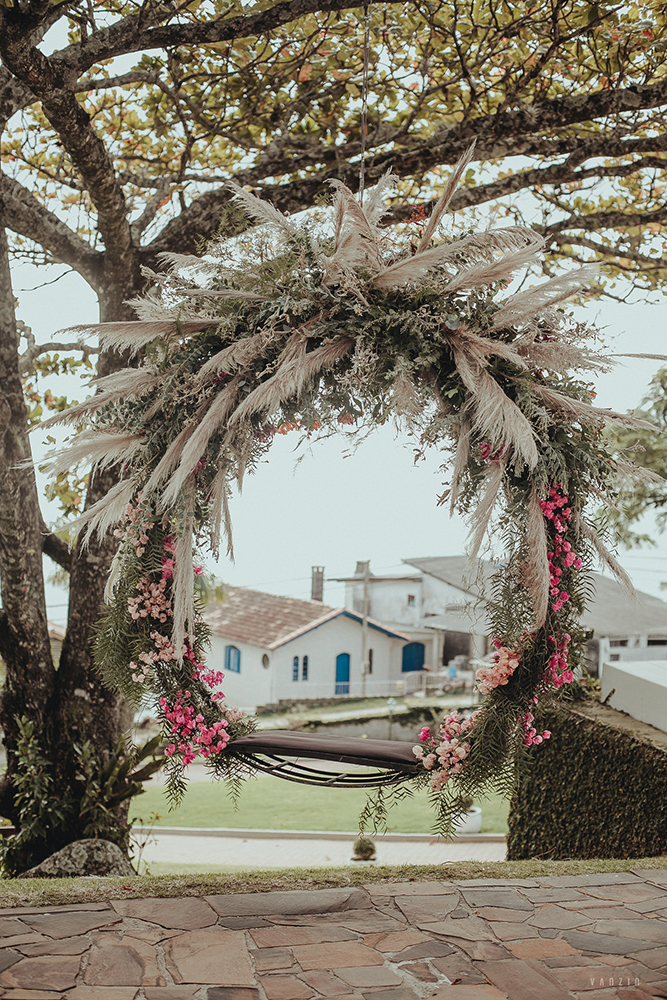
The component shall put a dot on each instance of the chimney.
(317, 584)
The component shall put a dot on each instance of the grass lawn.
(272, 804)
(55, 891)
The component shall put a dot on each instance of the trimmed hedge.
(596, 789)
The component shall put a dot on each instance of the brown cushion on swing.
(349, 750)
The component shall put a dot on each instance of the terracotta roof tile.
(261, 619)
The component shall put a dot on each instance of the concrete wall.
(640, 690)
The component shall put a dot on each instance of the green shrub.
(596, 789)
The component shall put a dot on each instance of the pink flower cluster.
(152, 601)
(191, 735)
(487, 455)
(136, 522)
(164, 652)
(505, 661)
(210, 677)
(445, 753)
(558, 671)
(530, 734)
(557, 510)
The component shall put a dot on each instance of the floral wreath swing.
(292, 326)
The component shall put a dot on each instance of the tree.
(111, 163)
(648, 449)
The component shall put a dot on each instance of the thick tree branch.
(28, 217)
(50, 85)
(56, 548)
(35, 351)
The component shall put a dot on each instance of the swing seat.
(280, 752)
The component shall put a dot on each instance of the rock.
(83, 857)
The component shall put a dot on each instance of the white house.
(440, 603)
(274, 649)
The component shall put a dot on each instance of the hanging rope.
(364, 96)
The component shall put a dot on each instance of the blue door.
(343, 673)
(413, 657)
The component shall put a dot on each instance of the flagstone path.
(593, 937)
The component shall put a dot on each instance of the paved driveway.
(599, 937)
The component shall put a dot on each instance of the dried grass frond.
(108, 511)
(97, 448)
(606, 558)
(357, 239)
(494, 415)
(405, 397)
(633, 471)
(558, 402)
(497, 270)
(375, 207)
(169, 460)
(151, 308)
(493, 480)
(182, 580)
(237, 355)
(651, 357)
(292, 377)
(133, 336)
(483, 347)
(443, 201)
(184, 261)
(535, 570)
(524, 305)
(460, 461)
(512, 239)
(129, 383)
(113, 578)
(562, 357)
(213, 421)
(262, 211)
(220, 514)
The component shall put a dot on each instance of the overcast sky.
(335, 508)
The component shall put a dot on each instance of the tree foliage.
(574, 91)
(648, 449)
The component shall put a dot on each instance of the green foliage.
(121, 779)
(281, 109)
(363, 848)
(595, 790)
(40, 812)
(648, 449)
(46, 819)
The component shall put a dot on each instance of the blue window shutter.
(232, 659)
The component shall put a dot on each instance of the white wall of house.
(638, 688)
(257, 685)
(252, 685)
(404, 601)
(632, 647)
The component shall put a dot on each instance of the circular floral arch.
(295, 326)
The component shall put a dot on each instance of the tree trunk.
(68, 707)
(24, 637)
(85, 708)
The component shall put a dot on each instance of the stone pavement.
(594, 937)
